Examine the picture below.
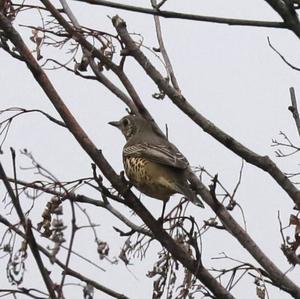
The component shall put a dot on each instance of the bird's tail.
(192, 196)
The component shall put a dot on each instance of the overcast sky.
(228, 73)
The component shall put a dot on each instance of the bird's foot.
(122, 176)
(160, 221)
(123, 179)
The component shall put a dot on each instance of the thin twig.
(21, 111)
(85, 199)
(73, 231)
(282, 57)
(23, 291)
(163, 50)
(294, 109)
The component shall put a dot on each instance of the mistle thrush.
(153, 164)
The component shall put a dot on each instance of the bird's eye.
(125, 122)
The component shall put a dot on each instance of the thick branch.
(285, 9)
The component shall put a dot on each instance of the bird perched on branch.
(153, 164)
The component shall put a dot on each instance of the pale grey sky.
(228, 73)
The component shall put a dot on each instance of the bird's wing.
(159, 153)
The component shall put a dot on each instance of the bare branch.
(192, 17)
(99, 75)
(21, 111)
(294, 109)
(163, 50)
(24, 291)
(286, 144)
(71, 242)
(80, 198)
(282, 57)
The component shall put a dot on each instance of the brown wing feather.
(163, 154)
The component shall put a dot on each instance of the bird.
(153, 164)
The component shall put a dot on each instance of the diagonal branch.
(29, 235)
(281, 56)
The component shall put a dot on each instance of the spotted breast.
(150, 178)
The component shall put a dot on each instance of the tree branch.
(287, 13)
(282, 57)
(163, 50)
(80, 198)
(294, 109)
(185, 16)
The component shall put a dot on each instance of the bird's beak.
(115, 123)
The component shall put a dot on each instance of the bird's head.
(129, 125)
